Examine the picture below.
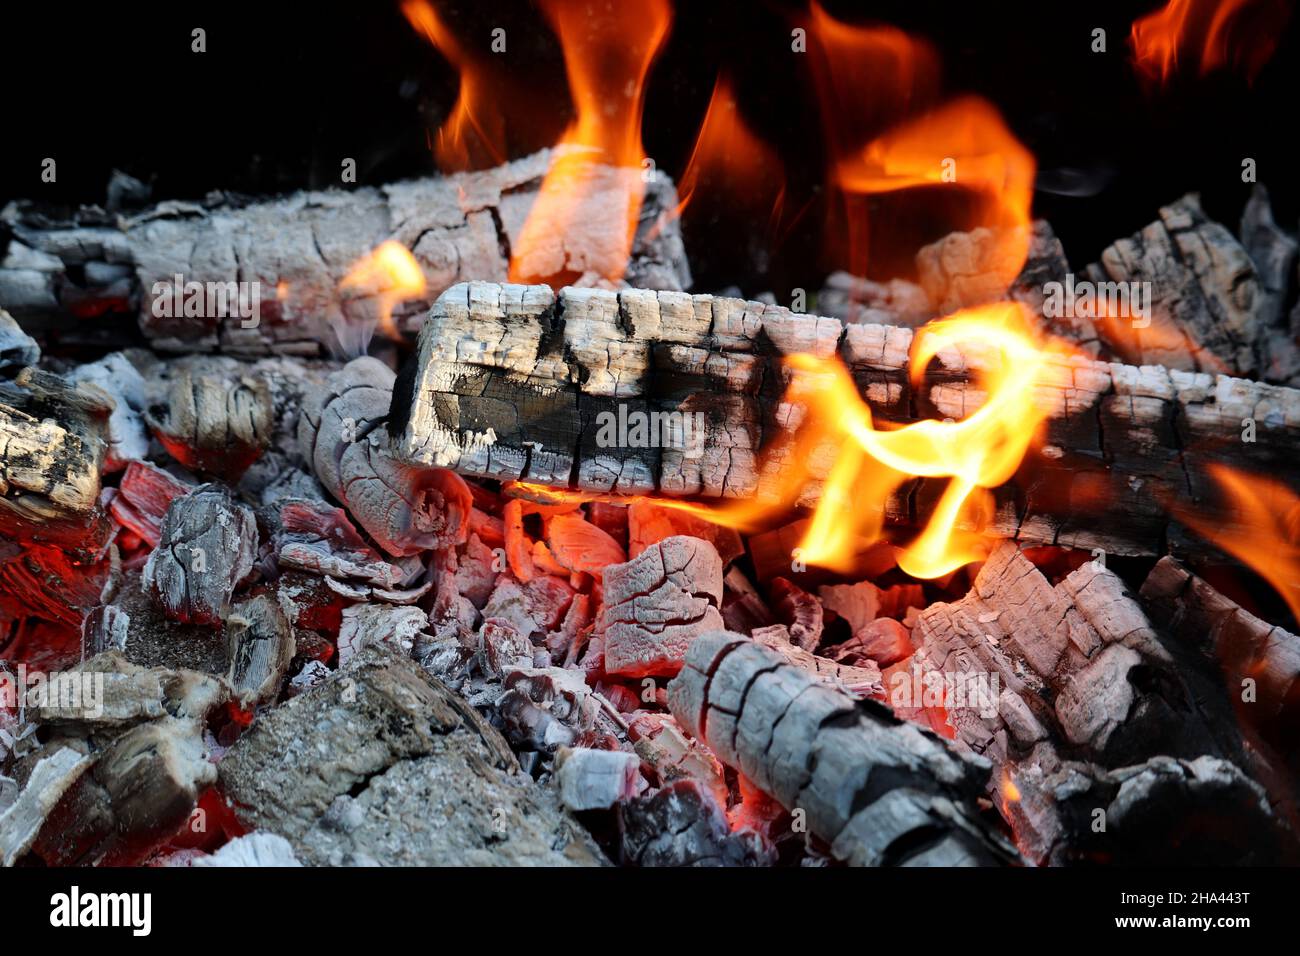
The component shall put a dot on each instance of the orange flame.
(1265, 535)
(390, 274)
(963, 145)
(607, 58)
(473, 135)
(1210, 34)
(867, 78)
(739, 167)
(977, 453)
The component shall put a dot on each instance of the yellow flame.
(976, 453)
(390, 274)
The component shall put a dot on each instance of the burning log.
(53, 439)
(175, 264)
(214, 425)
(513, 382)
(405, 510)
(207, 546)
(878, 791)
(414, 751)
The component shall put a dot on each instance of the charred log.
(878, 791)
(512, 382)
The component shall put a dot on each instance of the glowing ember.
(1266, 535)
(1207, 35)
(598, 167)
(390, 274)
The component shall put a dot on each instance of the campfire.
(451, 520)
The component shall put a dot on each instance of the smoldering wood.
(1182, 812)
(130, 694)
(144, 493)
(672, 755)
(820, 751)
(1261, 661)
(413, 751)
(298, 249)
(1215, 301)
(140, 791)
(207, 546)
(146, 764)
(1119, 691)
(212, 424)
(118, 376)
(1054, 684)
(590, 779)
(53, 774)
(1204, 288)
(965, 269)
(260, 644)
(860, 681)
(682, 824)
(508, 382)
(251, 849)
(53, 440)
(317, 537)
(47, 582)
(405, 510)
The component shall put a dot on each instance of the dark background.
(285, 91)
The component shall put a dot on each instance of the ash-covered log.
(515, 382)
(298, 249)
(214, 424)
(878, 791)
